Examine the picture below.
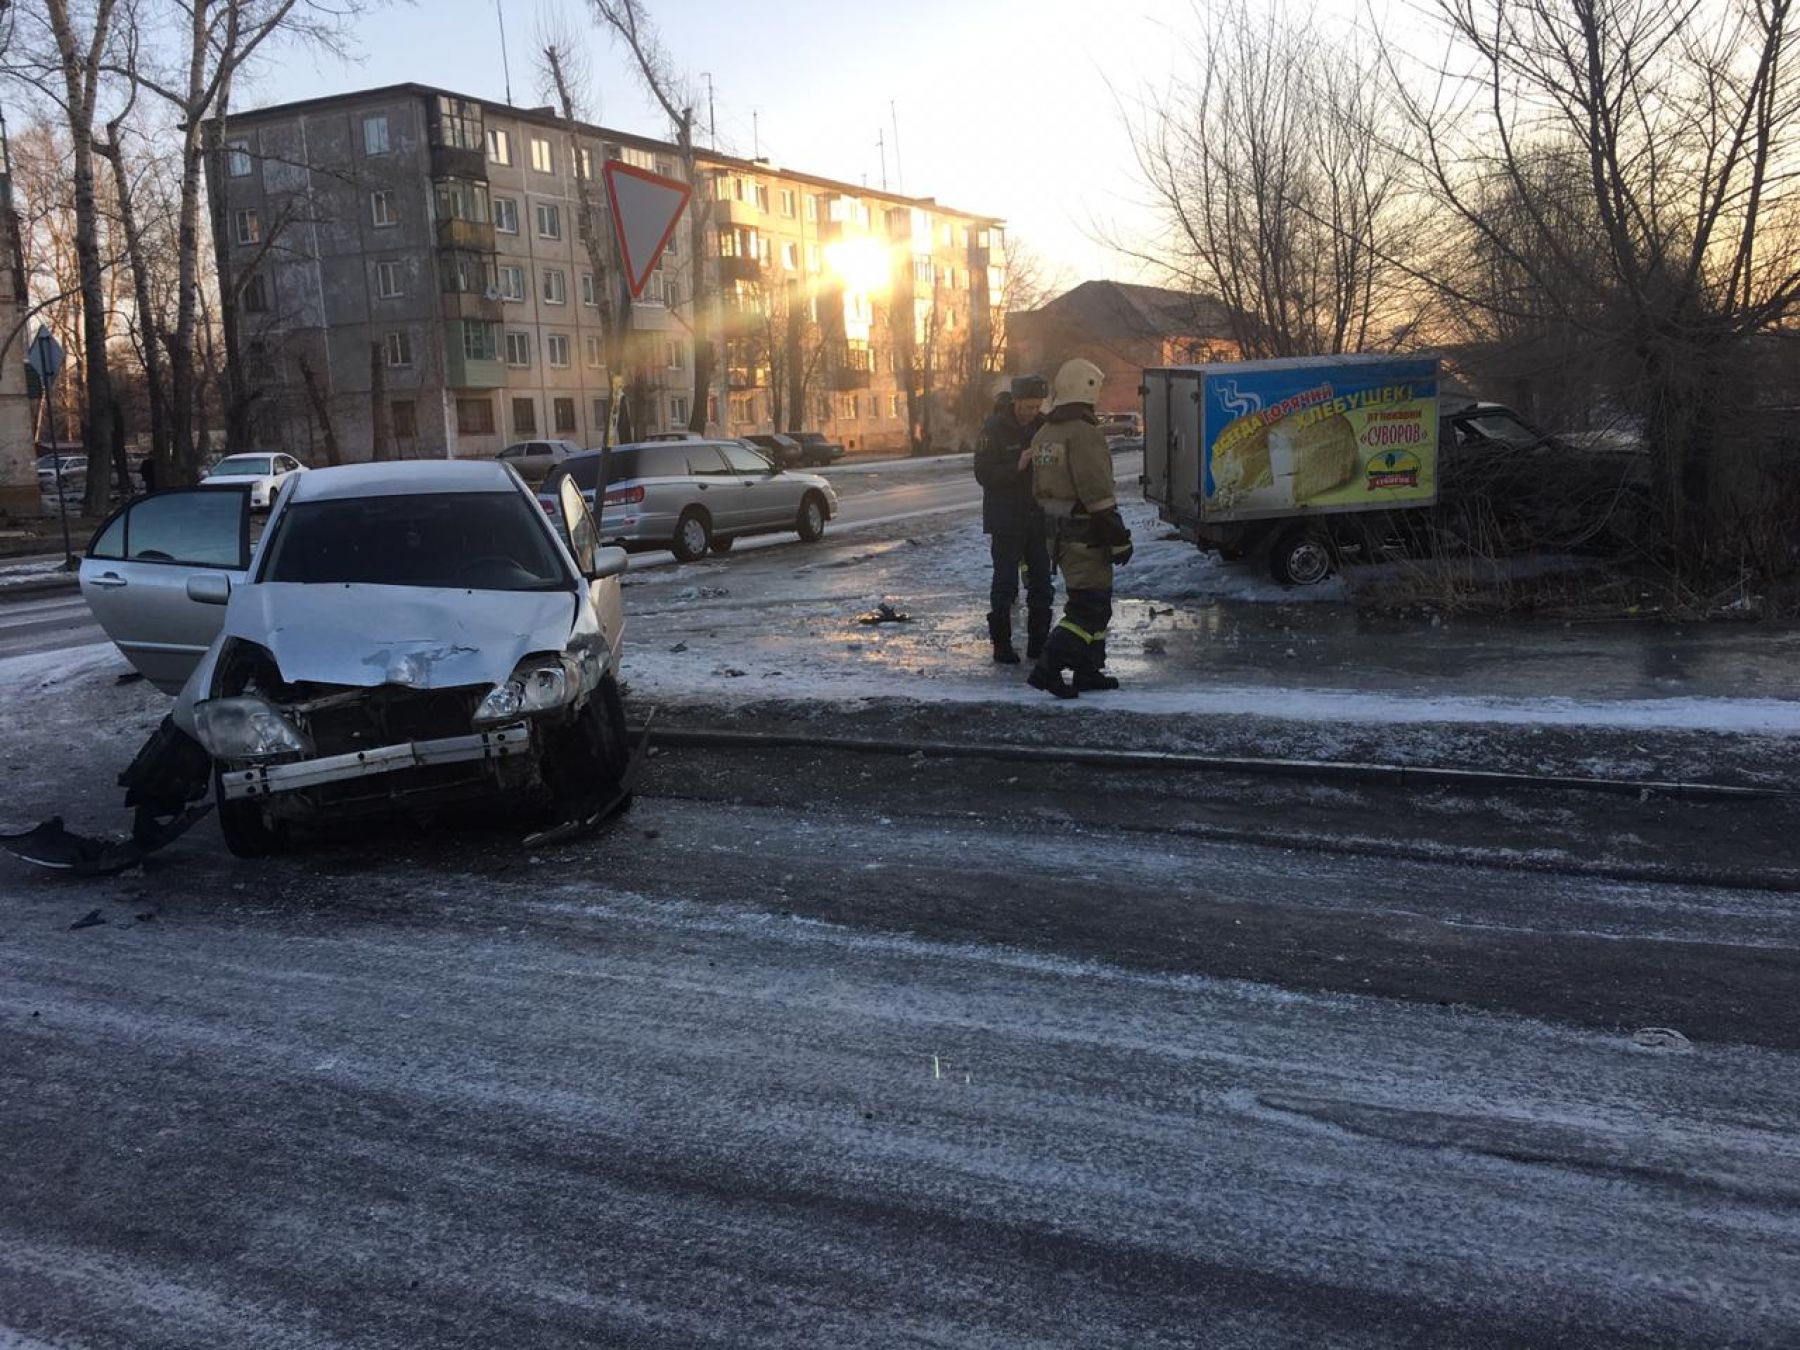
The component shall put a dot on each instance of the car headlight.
(247, 728)
(540, 685)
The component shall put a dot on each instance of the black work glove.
(1107, 528)
(1121, 555)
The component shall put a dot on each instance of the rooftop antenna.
(756, 133)
(712, 121)
(899, 177)
(505, 65)
(881, 146)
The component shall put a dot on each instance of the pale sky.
(1004, 106)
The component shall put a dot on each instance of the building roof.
(1120, 310)
(548, 117)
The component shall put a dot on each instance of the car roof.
(396, 478)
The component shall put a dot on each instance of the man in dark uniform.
(1013, 520)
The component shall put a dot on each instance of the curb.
(50, 585)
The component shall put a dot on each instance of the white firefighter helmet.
(1078, 381)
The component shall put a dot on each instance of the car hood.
(417, 636)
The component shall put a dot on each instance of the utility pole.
(756, 133)
(712, 121)
(505, 65)
(899, 177)
(881, 148)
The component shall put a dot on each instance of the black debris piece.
(884, 613)
(92, 919)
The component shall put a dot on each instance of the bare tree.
(630, 24)
(79, 48)
(1275, 172)
(1680, 119)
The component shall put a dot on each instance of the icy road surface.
(452, 1098)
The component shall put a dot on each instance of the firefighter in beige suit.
(1072, 479)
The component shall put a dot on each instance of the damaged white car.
(401, 637)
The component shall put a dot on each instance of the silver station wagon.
(692, 496)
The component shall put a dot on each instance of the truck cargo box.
(1264, 440)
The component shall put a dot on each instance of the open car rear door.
(137, 573)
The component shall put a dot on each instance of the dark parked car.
(817, 451)
(784, 450)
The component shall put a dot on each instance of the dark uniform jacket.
(1007, 504)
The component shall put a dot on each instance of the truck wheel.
(246, 826)
(1301, 556)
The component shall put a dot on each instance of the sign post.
(44, 359)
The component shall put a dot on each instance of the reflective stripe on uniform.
(1081, 632)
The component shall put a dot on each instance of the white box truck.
(1301, 457)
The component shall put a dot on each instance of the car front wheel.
(811, 525)
(246, 826)
(693, 536)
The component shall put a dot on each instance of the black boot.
(1037, 629)
(1091, 676)
(1000, 633)
(1062, 651)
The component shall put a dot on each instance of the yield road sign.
(44, 358)
(646, 208)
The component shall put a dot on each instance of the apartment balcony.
(477, 235)
(849, 369)
(650, 318)
(733, 212)
(469, 305)
(740, 269)
(449, 161)
(741, 378)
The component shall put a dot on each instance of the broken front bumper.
(266, 780)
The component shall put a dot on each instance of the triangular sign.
(646, 208)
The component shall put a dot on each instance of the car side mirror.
(608, 562)
(213, 590)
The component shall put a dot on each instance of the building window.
(406, 419)
(556, 350)
(512, 284)
(541, 158)
(581, 162)
(588, 294)
(563, 412)
(787, 202)
(399, 348)
(790, 256)
(387, 280)
(462, 271)
(656, 290)
(506, 215)
(556, 291)
(256, 295)
(499, 146)
(248, 227)
(518, 349)
(601, 411)
(381, 209)
(678, 410)
(549, 221)
(462, 199)
(481, 342)
(475, 416)
(375, 134)
(676, 355)
(237, 159)
(812, 208)
(459, 123)
(762, 196)
(812, 255)
(524, 417)
(674, 248)
(665, 167)
(595, 351)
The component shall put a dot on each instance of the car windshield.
(241, 464)
(479, 541)
(1507, 430)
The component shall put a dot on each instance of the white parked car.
(262, 474)
(402, 636)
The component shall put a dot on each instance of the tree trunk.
(80, 79)
(149, 338)
(183, 385)
(795, 340)
(321, 410)
(699, 209)
(380, 422)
